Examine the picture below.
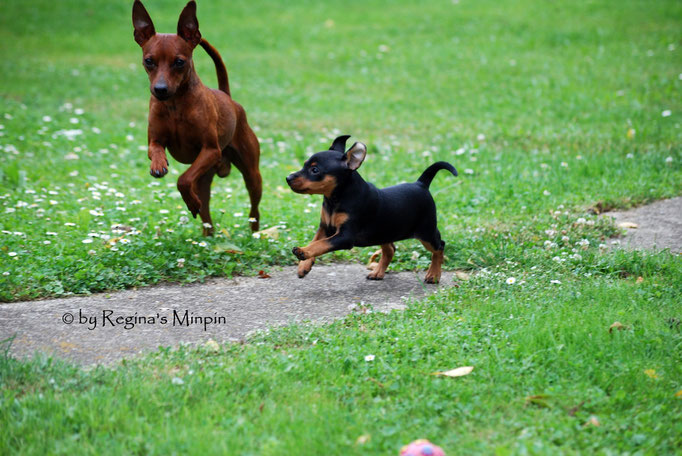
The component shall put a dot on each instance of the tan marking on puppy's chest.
(338, 219)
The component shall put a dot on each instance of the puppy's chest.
(333, 220)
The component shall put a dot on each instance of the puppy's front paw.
(304, 267)
(299, 253)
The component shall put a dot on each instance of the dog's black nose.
(290, 178)
(161, 90)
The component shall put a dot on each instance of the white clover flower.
(369, 358)
(47, 119)
(12, 254)
(557, 282)
(202, 244)
(164, 211)
(666, 113)
(669, 160)
(87, 241)
(511, 281)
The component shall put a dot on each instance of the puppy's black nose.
(290, 178)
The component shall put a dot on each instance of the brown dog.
(199, 126)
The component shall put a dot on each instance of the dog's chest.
(333, 221)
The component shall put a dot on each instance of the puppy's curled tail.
(430, 172)
(220, 70)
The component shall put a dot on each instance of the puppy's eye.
(178, 63)
(314, 170)
(148, 62)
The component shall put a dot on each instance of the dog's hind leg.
(436, 246)
(225, 166)
(204, 192)
(387, 251)
(244, 152)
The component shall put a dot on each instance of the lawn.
(551, 111)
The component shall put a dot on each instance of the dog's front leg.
(188, 183)
(305, 266)
(341, 240)
(157, 154)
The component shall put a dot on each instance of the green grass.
(547, 110)
(545, 364)
(552, 93)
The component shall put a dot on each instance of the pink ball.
(422, 447)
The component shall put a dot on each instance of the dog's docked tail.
(428, 175)
(220, 70)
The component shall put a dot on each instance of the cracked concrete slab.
(106, 327)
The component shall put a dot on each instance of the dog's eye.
(148, 62)
(314, 170)
(178, 63)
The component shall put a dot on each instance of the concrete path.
(103, 328)
(657, 225)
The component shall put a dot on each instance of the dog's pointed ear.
(188, 25)
(339, 143)
(355, 156)
(144, 27)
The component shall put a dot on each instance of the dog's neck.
(354, 188)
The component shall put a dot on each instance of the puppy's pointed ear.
(188, 25)
(144, 27)
(339, 143)
(355, 156)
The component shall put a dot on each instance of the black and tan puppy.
(356, 213)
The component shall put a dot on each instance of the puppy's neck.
(353, 188)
